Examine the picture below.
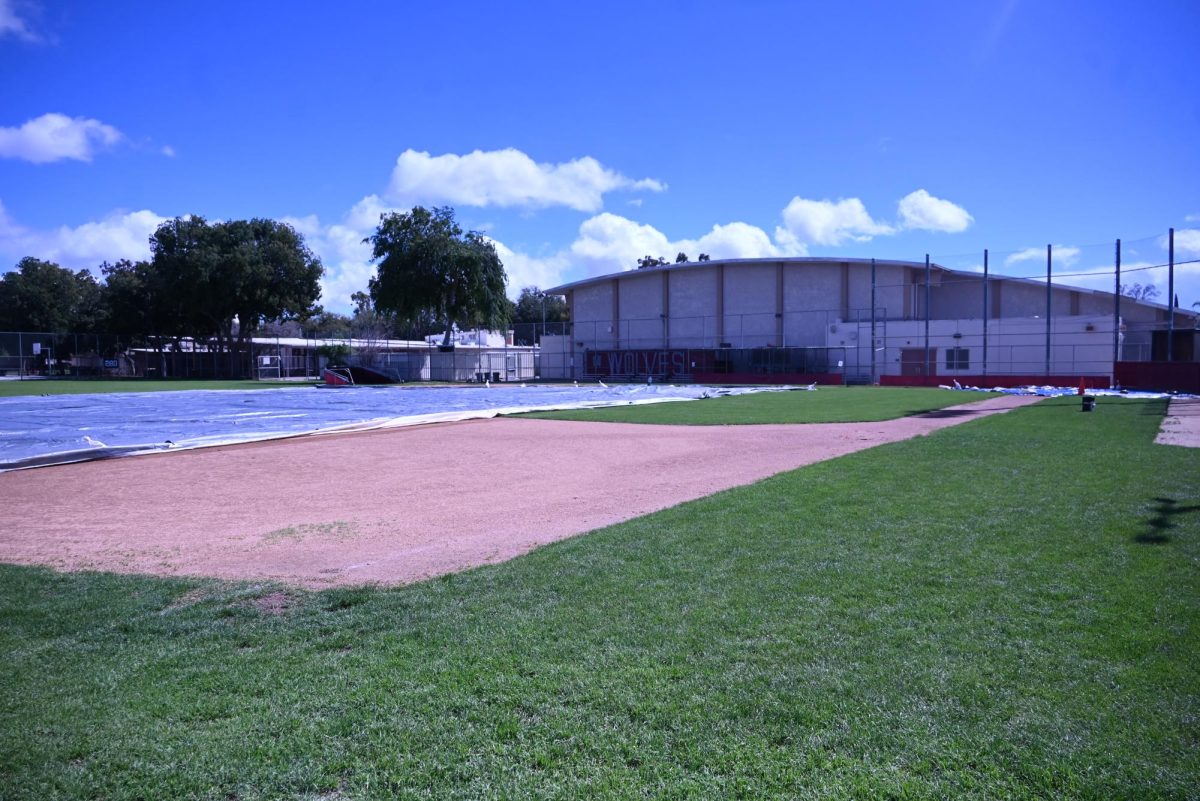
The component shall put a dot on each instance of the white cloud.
(12, 24)
(739, 240)
(168, 151)
(506, 178)
(349, 267)
(922, 211)
(346, 258)
(1063, 256)
(827, 222)
(609, 242)
(524, 270)
(1187, 242)
(364, 215)
(614, 243)
(120, 235)
(1187, 281)
(1192, 218)
(53, 137)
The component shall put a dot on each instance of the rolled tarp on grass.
(37, 431)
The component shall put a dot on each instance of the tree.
(651, 261)
(1138, 292)
(205, 278)
(281, 276)
(41, 296)
(534, 306)
(328, 325)
(429, 266)
(369, 323)
(532, 309)
(681, 258)
(131, 300)
(703, 257)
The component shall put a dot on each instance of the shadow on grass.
(1158, 527)
(1155, 407)
(936, 413)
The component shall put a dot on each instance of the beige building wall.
(1078, 346)
(592, 310)
(643, 320)
(750, 299)
(810, 294)
(693, 302)
(794, 303)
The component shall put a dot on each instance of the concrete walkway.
(1181, 426)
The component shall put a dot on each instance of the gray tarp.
(55, 429)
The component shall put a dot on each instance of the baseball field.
(997, 599)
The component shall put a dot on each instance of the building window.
(958, 358)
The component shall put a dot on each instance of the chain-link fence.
(1050, 313)
(42, 354)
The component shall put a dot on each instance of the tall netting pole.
(1117, 313)
(1170, 295)
(872, 321)
(1049, 259)
(926, 319)
(985, 309)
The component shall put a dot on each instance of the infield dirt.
(397, 506)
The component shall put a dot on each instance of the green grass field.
(71, 386)
(1003, 609)
(825, 405)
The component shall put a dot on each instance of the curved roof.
(692, 265)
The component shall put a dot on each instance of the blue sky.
(583, 136)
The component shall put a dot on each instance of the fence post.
(1170, 295)
(872, 321)
(985, 309)
(1049, 259)
(1117, 314)
(927, 311)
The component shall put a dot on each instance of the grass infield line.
(825, 405)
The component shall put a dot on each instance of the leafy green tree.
(532, 309)
(328, 325)
(42, 296)
(368, 322)
(280, 275)
(207, 277)
(131, 301)
(430, 267)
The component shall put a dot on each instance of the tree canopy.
(651, 261)
(41, 296)
(428, 266)
(204, 276)
(1138, 292)
(532, 309)
(534, 306)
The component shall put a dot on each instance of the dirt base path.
(402, 505)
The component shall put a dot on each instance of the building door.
(912, 361)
